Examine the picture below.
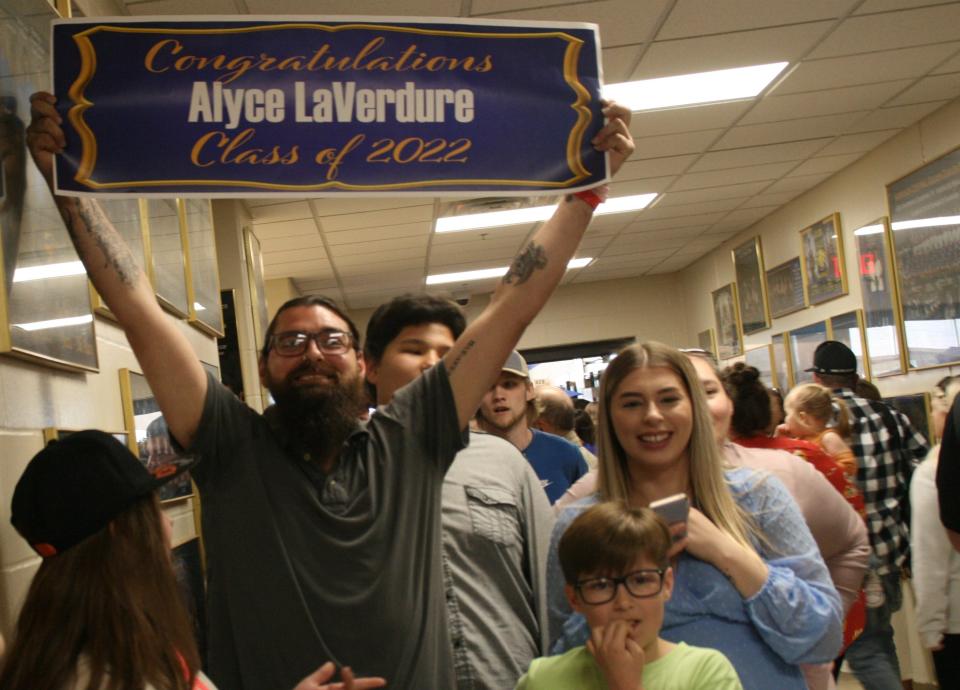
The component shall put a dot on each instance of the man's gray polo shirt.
(304, 567)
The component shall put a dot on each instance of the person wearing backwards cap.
(507, 409)
(887, 448)
(103, 611)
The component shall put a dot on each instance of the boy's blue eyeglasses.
(640, 584)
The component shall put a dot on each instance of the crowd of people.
(416, 546)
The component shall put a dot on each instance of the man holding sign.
(322, 534)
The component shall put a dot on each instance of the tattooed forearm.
(463, 353)
(532, 258)
(86, 217)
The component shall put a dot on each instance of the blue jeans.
(873, 656)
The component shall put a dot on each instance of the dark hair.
(111, 601)
(583, 425)
(839, 380)
(751, 402)
(309, 301)
(608, 537)
(558, 412)
(392, 317)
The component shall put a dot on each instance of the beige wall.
(858, 194)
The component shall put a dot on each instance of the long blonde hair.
(710, 492)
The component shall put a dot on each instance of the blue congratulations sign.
(317, 106)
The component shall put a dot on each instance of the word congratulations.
(342, 102)
(169, 54)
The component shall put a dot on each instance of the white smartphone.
(672, 509)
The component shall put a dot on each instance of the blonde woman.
(750, 581)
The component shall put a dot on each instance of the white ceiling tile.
(481, 7)
(703, 17)
(145, 9)
(693, 220)
(289, 228)
(667, 210)
(373, 279)
(706, 53)
(645, 185)
(373, 219)
(888, 65)
(637, 168)
(382, 8)
(615, 258)
(382, 245)
(620, 22)
(874, 6)
(271, 210)
(339, 205)
(758, 155)
(510, 233)
(951, 65)
(826, 164)
(670, 234)
(291, 243)
(856, 143)
(749, 173)
(742, 216)
(618, 63)
(675, 144)
(412, 257)
(375, 234)
(316, 285)
(317, 254)
(676, 120)
(787, 130)
(932, 88)
(911, 27)
(800, 184)
(902, 116)
(671, 265)
(827, 102)
(297, 269)
(731, 191)
(448, 256)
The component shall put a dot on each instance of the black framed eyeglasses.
(639, 584)
(295, 343)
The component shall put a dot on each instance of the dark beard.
(321, 418)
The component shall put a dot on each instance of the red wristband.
(593, 197)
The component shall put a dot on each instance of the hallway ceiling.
(860, 72)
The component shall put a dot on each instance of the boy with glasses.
(614, 559)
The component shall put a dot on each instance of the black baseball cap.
(833, 357)
(75, 486)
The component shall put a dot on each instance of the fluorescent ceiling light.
(55, 323)
(691, 89)
(485, 273)
(926, 223)
(496, 219)
(43, 271)
(875, 229)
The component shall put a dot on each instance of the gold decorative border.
(88, 67)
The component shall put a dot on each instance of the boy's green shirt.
(683, 668)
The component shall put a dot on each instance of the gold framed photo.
(751, 287)
(821, 255)
(785, 288)
(803, 343)
(727, 316)
(878, 289)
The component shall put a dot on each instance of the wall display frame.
(782, 362)
(916, 407)
(785, 288)
(258, 298)
(203, 275)
(762, 359)
(188, 567)
(803, 342)
(707, 340)
(727, 316)
(878, 290)
(821, 255)
(848, 329)
(924, 210)
(751, 286)
(128, 217)
(149, 438)
(228, 347)
(168, 255)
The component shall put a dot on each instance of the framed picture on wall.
(803, 342)
(168, 267)
(727, 316)
(203, 294)
(149, 438)
(762, 359)
(785, 288)
(782, 376)
(821, 255)
(255, 279)
(917, 409)
(925, 218)
(751, 288)
(127, 216)
(707, 340)
(848, 329)
(878, 289)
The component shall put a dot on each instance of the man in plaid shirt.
(887, 449)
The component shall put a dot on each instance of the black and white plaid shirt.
(887, 448)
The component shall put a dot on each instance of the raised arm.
(164, 353)
(476, 358)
